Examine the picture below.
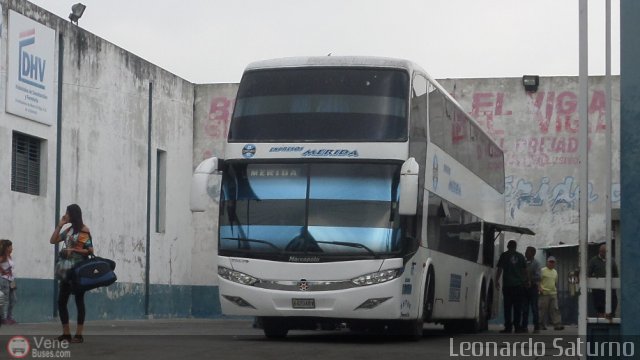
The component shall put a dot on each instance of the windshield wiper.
(252, 240)
(351, 244)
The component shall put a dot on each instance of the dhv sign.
(32, 67)
(31, 70)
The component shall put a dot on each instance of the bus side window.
(419, 102)
(439, 131)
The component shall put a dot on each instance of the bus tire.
(489, 307)
(274, 327)
(429, 296)
(480, 323)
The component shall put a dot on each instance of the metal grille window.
(25, 164)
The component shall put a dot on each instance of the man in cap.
(548, 301)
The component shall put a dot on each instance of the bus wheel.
(429, 296)
(481, 322)
(489, 307)
(274, 328)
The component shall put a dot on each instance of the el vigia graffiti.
(539, 134)
(544, 130)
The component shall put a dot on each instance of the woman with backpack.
(78, 246)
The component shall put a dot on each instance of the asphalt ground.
(237, 339)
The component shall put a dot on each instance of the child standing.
(7, 281)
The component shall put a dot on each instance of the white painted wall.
(105, 112)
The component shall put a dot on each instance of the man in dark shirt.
(513, 267)
(598, 269)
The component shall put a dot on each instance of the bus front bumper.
(379, 301)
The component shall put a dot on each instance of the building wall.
(106, 106)
(213, 106)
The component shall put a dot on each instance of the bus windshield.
(321, 209)
(321, 105)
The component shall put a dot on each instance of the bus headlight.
(377, 277)
(236, 276)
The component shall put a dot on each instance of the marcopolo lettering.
(304, 259)
(331, 153)
(32, 67)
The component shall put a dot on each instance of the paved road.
(236, 339)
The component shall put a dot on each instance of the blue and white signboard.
(30, 86)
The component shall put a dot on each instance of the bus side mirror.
(409, 187)
(199, 181)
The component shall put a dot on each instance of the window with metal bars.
(25, 164)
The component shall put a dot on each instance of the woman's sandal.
(64, 337)
(77, 339)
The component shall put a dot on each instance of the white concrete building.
(126, 145)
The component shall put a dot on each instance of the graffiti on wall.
(539, 133)
(521, 193)
(553, 139)
(216, 126)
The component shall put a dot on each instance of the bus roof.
(355, 61)
(345, 61)
(324, 61)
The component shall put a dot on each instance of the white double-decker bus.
(355, 190)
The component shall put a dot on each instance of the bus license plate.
(303, 303)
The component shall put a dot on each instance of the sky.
(211, 41)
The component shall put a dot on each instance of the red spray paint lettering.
(565, 108)
(484, 109)
(217, 123)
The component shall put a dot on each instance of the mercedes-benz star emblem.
(303, 285)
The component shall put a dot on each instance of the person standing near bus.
(598, 269)
(512, 266)
(548, 301)
(531, 291)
